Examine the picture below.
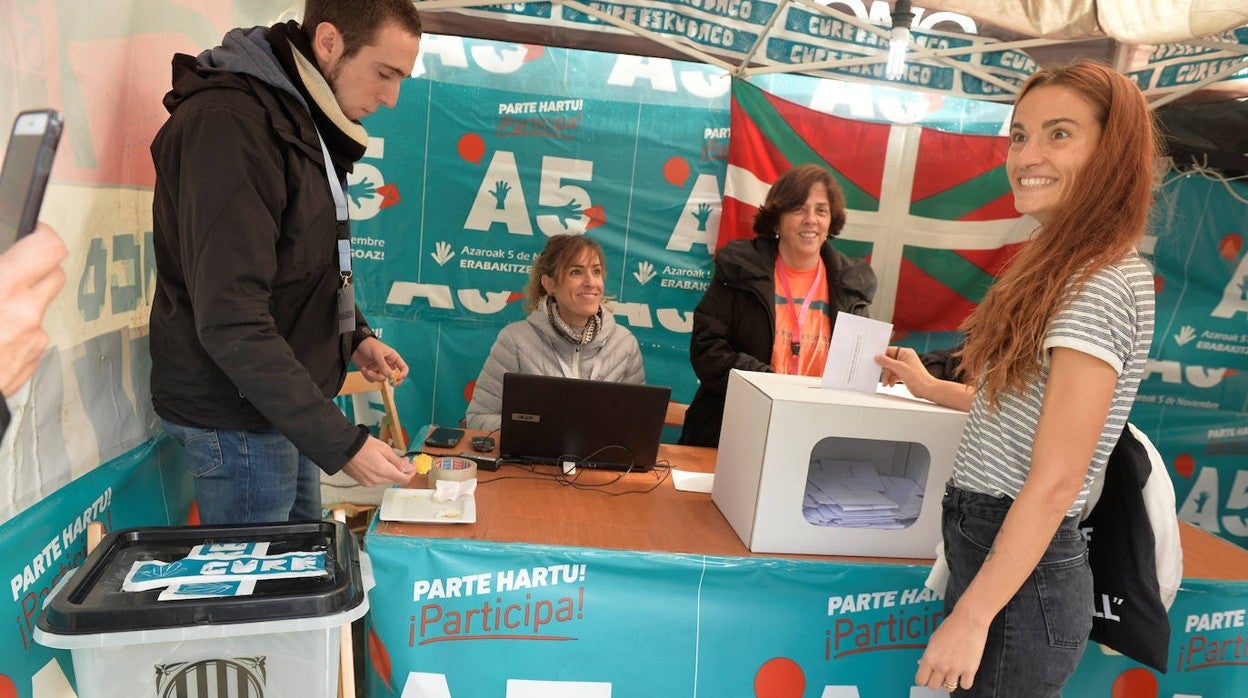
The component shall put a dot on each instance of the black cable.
(661, 469)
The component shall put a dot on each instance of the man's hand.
(30, 277)
(378, 362)
(378, 464)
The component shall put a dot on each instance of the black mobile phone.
(444, 437)
(24, 176)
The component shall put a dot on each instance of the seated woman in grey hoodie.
(566, 334)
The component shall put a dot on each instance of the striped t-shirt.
(1111, 319)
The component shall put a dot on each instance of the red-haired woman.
(1055, 354)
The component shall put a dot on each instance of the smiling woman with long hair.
(569, 332)
(1054, 356)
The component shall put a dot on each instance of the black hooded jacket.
(243, 325)
(734, 325)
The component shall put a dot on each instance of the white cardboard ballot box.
(780, 431)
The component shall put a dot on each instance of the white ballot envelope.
(855, 343)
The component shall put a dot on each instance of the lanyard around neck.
(341, 213)
(799, 319)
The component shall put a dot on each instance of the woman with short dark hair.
(773, 299)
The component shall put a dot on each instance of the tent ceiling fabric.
(1194, 51)
(981, 49)
(1127, 21)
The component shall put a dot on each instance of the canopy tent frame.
(751, 64)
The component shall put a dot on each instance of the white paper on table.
(689, 481)
(856, 341)
(450, 490)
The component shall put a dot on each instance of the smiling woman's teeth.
(1036, 181)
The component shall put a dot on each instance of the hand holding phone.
(24, 175)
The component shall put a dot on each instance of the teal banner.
(454, 617)
(1194, 400)
(495, 147)
(498, 147)
(145, 487)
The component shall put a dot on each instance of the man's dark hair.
(359, 20)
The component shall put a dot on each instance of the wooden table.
(626, 583)
(643, 511)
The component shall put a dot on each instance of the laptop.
(598, 424)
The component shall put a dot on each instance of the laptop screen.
(601, 424)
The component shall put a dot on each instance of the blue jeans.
(1035, 642)
(248, 476)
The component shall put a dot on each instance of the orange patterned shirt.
(816, 326)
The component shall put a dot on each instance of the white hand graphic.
(1185, 335)
(443, 253)
(645, 272)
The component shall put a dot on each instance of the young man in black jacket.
(253, 321)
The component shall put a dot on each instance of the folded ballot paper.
(855, 494)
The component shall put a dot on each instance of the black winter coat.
(243, 325)
(734, 325)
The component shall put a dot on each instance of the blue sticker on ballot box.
(221, 569)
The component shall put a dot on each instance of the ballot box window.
(865, 483)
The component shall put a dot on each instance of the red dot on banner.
(1159, 284)
(1231, 245)
(779, 677)
(1184, 464)
(1134, 683)
(468, 388)
(676, 171)
(471, 147)
(7, 689)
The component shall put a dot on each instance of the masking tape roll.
(453, 469)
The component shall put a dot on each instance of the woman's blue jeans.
(1035, 642)
(248, 476)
